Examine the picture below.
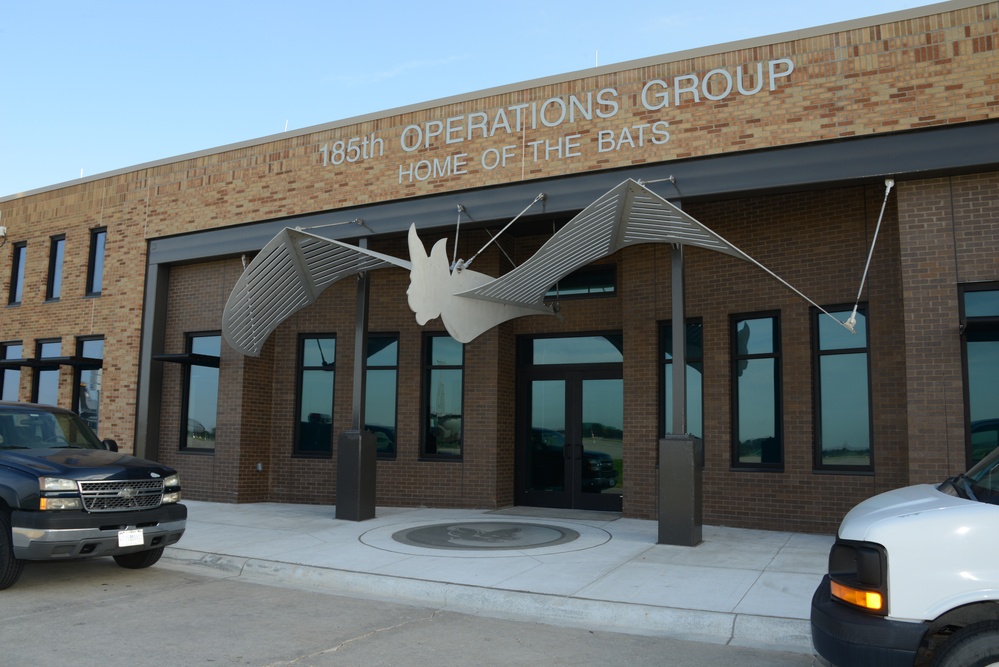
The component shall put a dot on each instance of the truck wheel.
(140, 559)
(976, 645)
(10, 567)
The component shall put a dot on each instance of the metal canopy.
(628, 214)
(293, 269)
(288, 274)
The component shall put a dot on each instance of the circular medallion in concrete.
(485, 535)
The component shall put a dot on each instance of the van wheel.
(976, 645)
(10, 567)
(139, 559)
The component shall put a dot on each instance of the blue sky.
(91, 86)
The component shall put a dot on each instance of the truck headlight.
(59, 504)
(171, 489)
(57, 484)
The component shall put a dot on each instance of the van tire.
(10, 567)
(975, 645)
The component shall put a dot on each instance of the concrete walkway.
(744, 587)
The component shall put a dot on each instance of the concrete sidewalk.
(744, 587)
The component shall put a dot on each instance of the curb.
(765, 632)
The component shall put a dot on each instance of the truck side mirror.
(110, 445)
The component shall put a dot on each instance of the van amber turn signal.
(869, 600)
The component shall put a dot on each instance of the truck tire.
(139, 559)
(10, 567)
(976, 645)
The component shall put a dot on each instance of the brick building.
(116, 285)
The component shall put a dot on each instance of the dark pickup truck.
(65, 494)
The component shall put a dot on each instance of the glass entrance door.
(571, 436)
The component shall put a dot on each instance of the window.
(10, 378)
(316, 372)
(46, 385)
(756, 397)
(980, 315)
(201, 392)
(442, 397)
(380, 391)
(87, 380)
(95, 265)
(597, 280)
(695, 371)
(20, 255)
(842, 393)
(57, 249)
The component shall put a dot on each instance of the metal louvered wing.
(289, 273)
(628, 214)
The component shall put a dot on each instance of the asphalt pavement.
(591, 570)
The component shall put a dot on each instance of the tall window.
(201, 392)
(442, 397)
(57, 249)
(695, 371)
(20, 255)
(380, 391)
(316, 373)
(87, 376)
(10, 378)
(95, 264)
(980, 315)
(756, 404)
(46, 385)
(842, 388)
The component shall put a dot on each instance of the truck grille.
(122, 495)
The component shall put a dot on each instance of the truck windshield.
(22, 428)
(984, 478)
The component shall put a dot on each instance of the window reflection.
(981, 311)
(444, 377)
(316, 375)
(757, 390)
(380, 391)
(843, 389)
(201, 410)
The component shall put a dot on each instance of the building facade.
(857, 164)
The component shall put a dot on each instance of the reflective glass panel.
(603, 436)
(983, 388)
(578, 350)
(984, 303)
(11, 377)
(757, 426)
(444, 427)
(845, 410)
(89, 384)
(546, 444)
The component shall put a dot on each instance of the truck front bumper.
(849, 637)
(61, 535)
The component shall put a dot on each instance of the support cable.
(851, 323)
(460, 264)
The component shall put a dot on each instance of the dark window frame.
(4, 347)
(57, 260)
(736, 357)
(664, 389)
(300, 368)
(189, 359)
(86, 363)
(395, 408)
(815, 316)
(583, 276)
(40, 366)
(19, 258)
(972, 325)
(97, 249)
(427, 368)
